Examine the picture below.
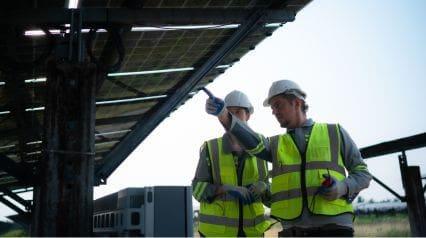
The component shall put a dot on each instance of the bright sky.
(362, 64)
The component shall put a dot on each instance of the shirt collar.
(308, 123)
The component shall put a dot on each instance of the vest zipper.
(303, 171)
(240, 170)
(303, 182)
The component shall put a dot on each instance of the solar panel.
(159, 60)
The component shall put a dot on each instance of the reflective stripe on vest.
(322, 157)
(231, 222)
(220, 218)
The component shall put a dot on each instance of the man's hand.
(335, 191)
(257, 190)
(238, 192)
(215, 106)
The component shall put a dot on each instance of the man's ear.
(248, 116)
(298, 102)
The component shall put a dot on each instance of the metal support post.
(65, 196)
(64, 199)
(412, 183)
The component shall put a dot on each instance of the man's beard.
(283, 123)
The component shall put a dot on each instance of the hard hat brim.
(266, 103)
(301, 96)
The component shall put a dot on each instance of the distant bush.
(11, 229)
(15, 233)
(5, 226)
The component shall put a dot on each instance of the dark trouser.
(328, 230)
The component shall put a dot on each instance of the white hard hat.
(238, 99)
(284, 87)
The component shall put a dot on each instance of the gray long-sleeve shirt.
(357, 179)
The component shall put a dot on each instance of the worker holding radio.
(311, 192)
(229, 183)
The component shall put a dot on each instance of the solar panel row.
(159, 60)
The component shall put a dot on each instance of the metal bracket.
(22, 172)
(402, 158)
(23, 202)
(11, 205)
(402, 198)
(75, 49)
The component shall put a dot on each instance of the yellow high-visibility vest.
(221, 217)
(296, 177)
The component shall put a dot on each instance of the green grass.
(382, 225)
(365, 226)
(397, 233)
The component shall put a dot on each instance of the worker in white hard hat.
(229, 183)
(311, 191)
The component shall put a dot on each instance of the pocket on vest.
(320, 153)
(339, 202)
(212, 210)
